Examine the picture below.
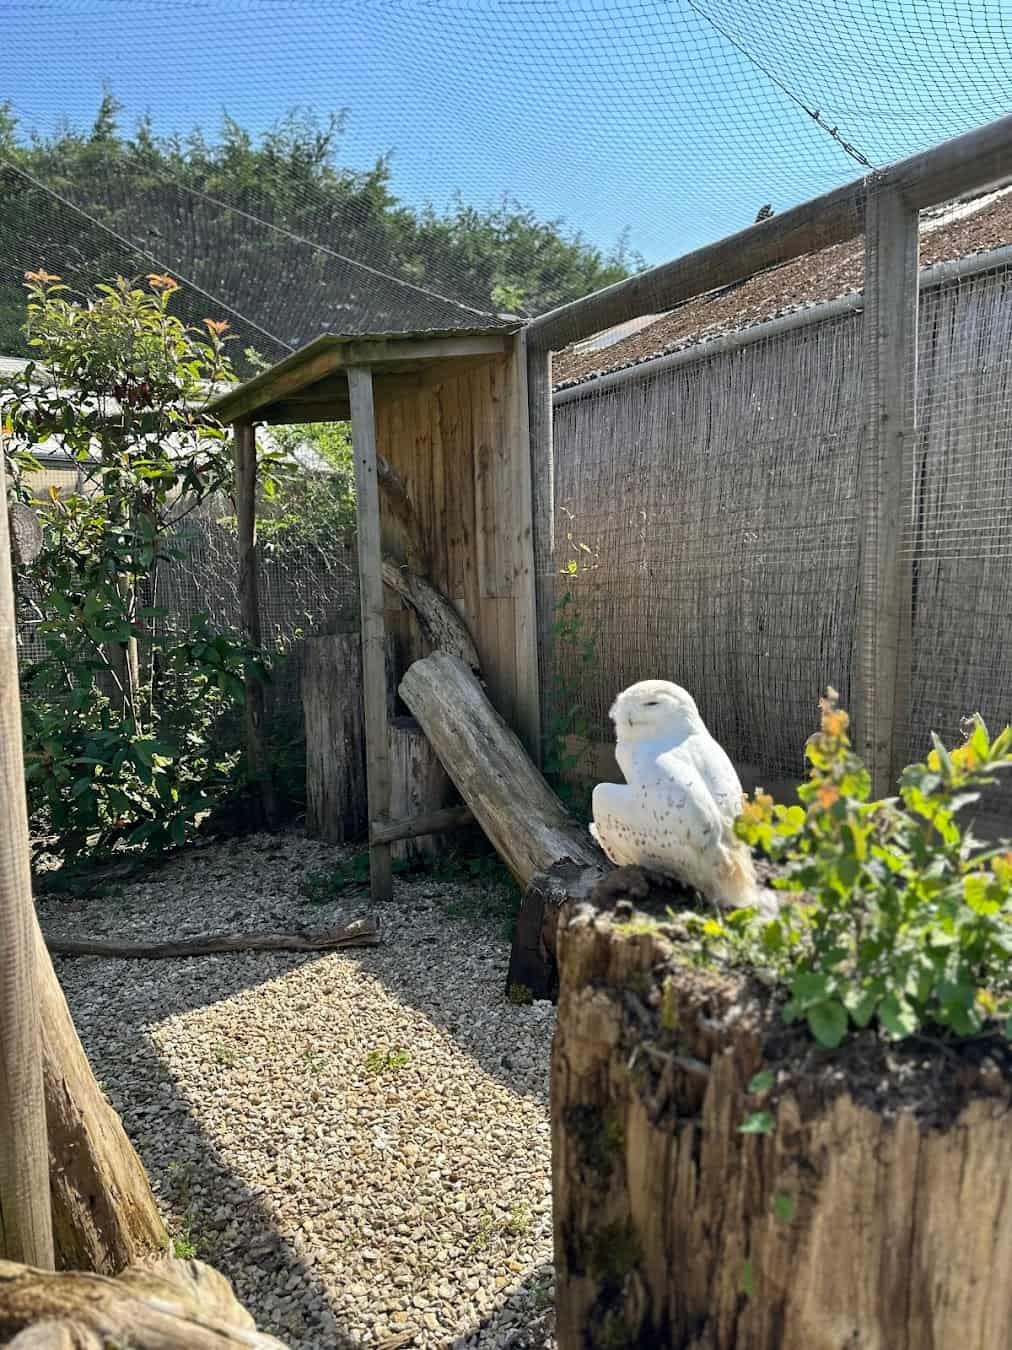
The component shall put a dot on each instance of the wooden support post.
(539, 405)
(885, 617)
(26, 1231)
(249, 612)
(370, 580)
(524, 561)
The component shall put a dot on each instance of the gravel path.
(360, 1140)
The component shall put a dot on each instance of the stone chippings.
(359, 1139)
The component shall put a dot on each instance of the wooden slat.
(542, 497)
(525, 612)
(370, 564)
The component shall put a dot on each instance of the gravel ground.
(360, 1139)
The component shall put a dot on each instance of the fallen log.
(551, 895)
(359, 933)
(865, 1205)
(163, 1305)
(522, 817)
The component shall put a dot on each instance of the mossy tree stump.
(876, 1213)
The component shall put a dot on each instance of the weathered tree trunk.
(163, 1305)
(104, 1214)
(850, 1223)
(418, 786)
(336, 804)
(520, 814)
(441, 625)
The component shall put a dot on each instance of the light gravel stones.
(359, 1139)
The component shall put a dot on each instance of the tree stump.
(873, 1214)
(418, 785)
(336, 802)
(161, 1305)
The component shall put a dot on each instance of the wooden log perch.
(162, 1305)
(873, 1213)
(442, 627)
(359, 933)
(510, 800)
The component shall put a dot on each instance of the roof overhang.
(311, 385)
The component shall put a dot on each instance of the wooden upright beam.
(542, 498)
(885, 615)
(26, 1231)
(370, 580)
(249, 612)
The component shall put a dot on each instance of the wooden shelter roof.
(311, 385)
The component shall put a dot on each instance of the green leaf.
(762, 1081)
(897, 1017)
(759, 1122)
(828, 1023)
(784, 1206)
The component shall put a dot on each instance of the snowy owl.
(676, 810)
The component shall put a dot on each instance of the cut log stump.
(419, 785)
(873, 1213)
(159, 1305)
(336, 803)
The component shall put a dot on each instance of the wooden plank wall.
(451, 433)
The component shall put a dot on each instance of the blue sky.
(673, 119)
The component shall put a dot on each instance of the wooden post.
(370, 580)
(539, 405)
(26, 1231)
(528, 705)
(249, 611)
(885, 616)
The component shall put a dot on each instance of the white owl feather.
(675, 813)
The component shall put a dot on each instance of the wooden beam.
(980, 159)
(249, 615)
(327, 355)
(434, 822)
(370, 579)
(525, 590)
(539, 424)
(885, 615)
(26, 1231)
(288, 412)
(830, 219)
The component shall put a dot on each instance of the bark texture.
(104, 1214)
(847, 1225)
(518, 811)
(163, 1305)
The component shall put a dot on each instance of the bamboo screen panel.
(959, 538)
(718, 500)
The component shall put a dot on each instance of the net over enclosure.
(756, 499)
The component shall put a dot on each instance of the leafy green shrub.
(905, 920)
(119, 713)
